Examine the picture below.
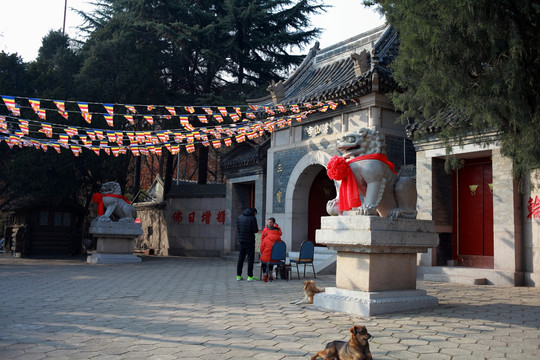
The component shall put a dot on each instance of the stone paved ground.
(186, 308)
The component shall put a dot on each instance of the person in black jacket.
(247, 228)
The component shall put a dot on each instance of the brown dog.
(309, 290)
(356, 349)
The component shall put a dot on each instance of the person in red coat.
(271, 233)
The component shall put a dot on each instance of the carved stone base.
(376, 263)
(114, 242)
(376, 254)
(373, 303)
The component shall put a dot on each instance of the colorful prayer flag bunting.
(61, 105)
(222, 110)
(35, 104)
(185, 123)
(23, 125)
(150, 119)
(11, 105)
(87, 117)
(76, 149)
(42, 113)
(109, 119)
(83, 106)
(109, 108)
(171, 109)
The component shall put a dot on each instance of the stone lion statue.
(364, 170)
(110, 201)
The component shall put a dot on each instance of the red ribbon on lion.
(339, 169)
(98, 199)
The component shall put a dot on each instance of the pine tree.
(476, 57)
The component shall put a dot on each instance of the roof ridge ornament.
(277, 90)
(374, 56)
(374, 64)
(361, 63)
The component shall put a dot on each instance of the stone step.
(466, 275)
(467, 280)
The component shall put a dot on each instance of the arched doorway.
(297, 208)
(322, 190)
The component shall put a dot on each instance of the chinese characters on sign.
(205, 218)
(177, 217)
(221, 217)
(318, 130)
(534, 208)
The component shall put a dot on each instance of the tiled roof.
(330, 73)
(444, 118)
(245, 154)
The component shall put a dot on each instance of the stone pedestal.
(376, 263)
(114, 242)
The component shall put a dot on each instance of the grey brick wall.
(284, 163)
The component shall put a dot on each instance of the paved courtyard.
(188, 308)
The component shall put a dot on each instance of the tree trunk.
(203, 165)
(169, 169)
(137, 175)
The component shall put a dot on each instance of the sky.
(25, 22)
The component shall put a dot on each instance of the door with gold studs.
(473, 214)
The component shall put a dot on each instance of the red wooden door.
(322, 190)
(474, 214)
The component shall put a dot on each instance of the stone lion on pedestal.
(110, 201)
(365, 170)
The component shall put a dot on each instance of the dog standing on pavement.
(356, 349)
(309, 290)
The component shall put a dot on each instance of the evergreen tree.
(53, 73)
(477, 57)
(260, 34)
(201, 47)
(190, 51)
(14, 79)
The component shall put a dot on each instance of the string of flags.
(207, 125)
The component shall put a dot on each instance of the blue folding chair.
(307, 251)
(277, 257)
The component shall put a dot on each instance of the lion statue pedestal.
(114, 227)
(376, 263)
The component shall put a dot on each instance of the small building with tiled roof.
(489, 227)
(352, 74)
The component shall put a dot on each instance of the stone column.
(506, 224)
